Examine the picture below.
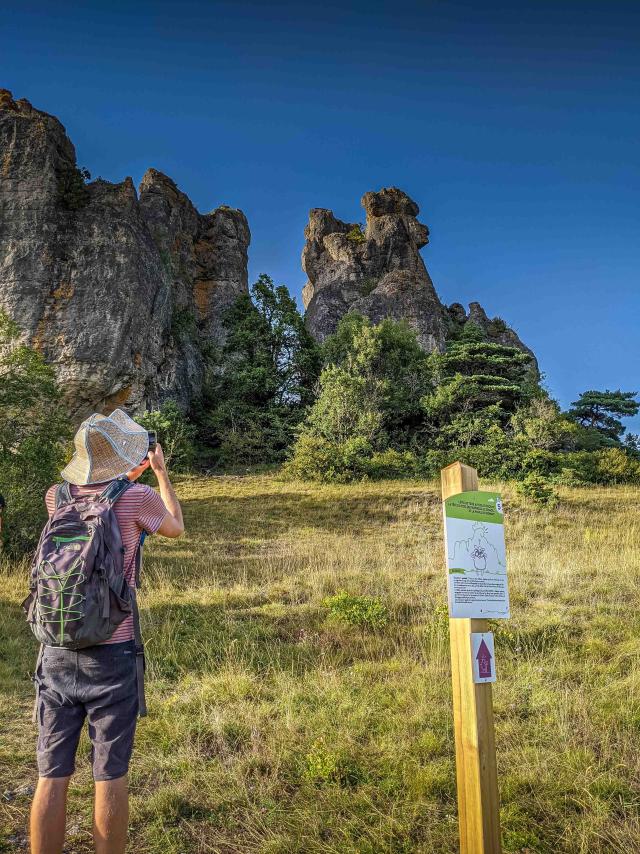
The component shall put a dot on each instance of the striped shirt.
(139, 509)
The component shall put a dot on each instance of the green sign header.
(475, 506)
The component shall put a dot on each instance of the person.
(100, 682)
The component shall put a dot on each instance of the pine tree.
(602, 410)
(478, 383)
(259, 383)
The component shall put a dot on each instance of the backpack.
(78, 592)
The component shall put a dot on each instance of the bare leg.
(48, 815)
(111, 816)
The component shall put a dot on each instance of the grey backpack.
(78, 593)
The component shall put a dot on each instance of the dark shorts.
(98, 683)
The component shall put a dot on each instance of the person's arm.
(172, 524)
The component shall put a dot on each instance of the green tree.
(34, 429)
(259, 383)
(601, 411)
(368, 409)
(544, 427)
(388, 359)
(477, 383)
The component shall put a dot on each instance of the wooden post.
(476, 771)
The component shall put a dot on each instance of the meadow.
(277, 726)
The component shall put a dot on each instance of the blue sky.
(513, 125)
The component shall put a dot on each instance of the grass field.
(276, 727)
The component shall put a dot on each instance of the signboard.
(476, 562)
(483, 657)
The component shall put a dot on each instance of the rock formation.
(123, 292)
(379, 272)
(119, 292)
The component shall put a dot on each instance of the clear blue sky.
(514, 125)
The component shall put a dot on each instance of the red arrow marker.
(484, 661)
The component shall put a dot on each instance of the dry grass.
(276, 729)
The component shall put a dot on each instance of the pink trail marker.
(484, 661)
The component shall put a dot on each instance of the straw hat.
(107, 446)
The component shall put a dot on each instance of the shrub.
(330, 766)
(34, 431)
(544, 463)
(324, 460)
(390, 463)
(606, 466)
(367, 285)
(183, 323)
(615, 465)
(356, 234)
(72, 191)
(366, 611)
(539, 490)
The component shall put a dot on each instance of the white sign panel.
(483, 657)
(476, 561)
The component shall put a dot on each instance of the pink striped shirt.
(139, 509)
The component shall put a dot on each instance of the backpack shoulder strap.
(112, 492)
(140, 662)
(63, 494)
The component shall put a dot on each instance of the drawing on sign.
(474, 534)
(477, 553)
(483, 657)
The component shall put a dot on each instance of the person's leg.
(60, 719)
(111, 816)
(48, 815)
(108, 674)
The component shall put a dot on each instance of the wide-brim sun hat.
(106, 447)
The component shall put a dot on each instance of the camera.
(153, 439)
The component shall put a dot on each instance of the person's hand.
(156, 459)
(135, 473)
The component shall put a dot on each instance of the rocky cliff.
(120, 291)
(123, 291)
(378, 272)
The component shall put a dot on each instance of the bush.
(330, 766)
(539, 490)
(72, 191)
(543, 463)
(356, 234)
(603, 467)
(366, 611)
(319, 459)
(390, 463)
(615, 465)
(34, 432)
(175, 434)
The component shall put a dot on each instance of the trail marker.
(476, 772)
(482, 657)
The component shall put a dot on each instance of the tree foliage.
(260, 381)
(174, 432)
(34, 428)
(601, 411)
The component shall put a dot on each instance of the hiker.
(83, 589)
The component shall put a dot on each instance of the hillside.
(277, 728)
